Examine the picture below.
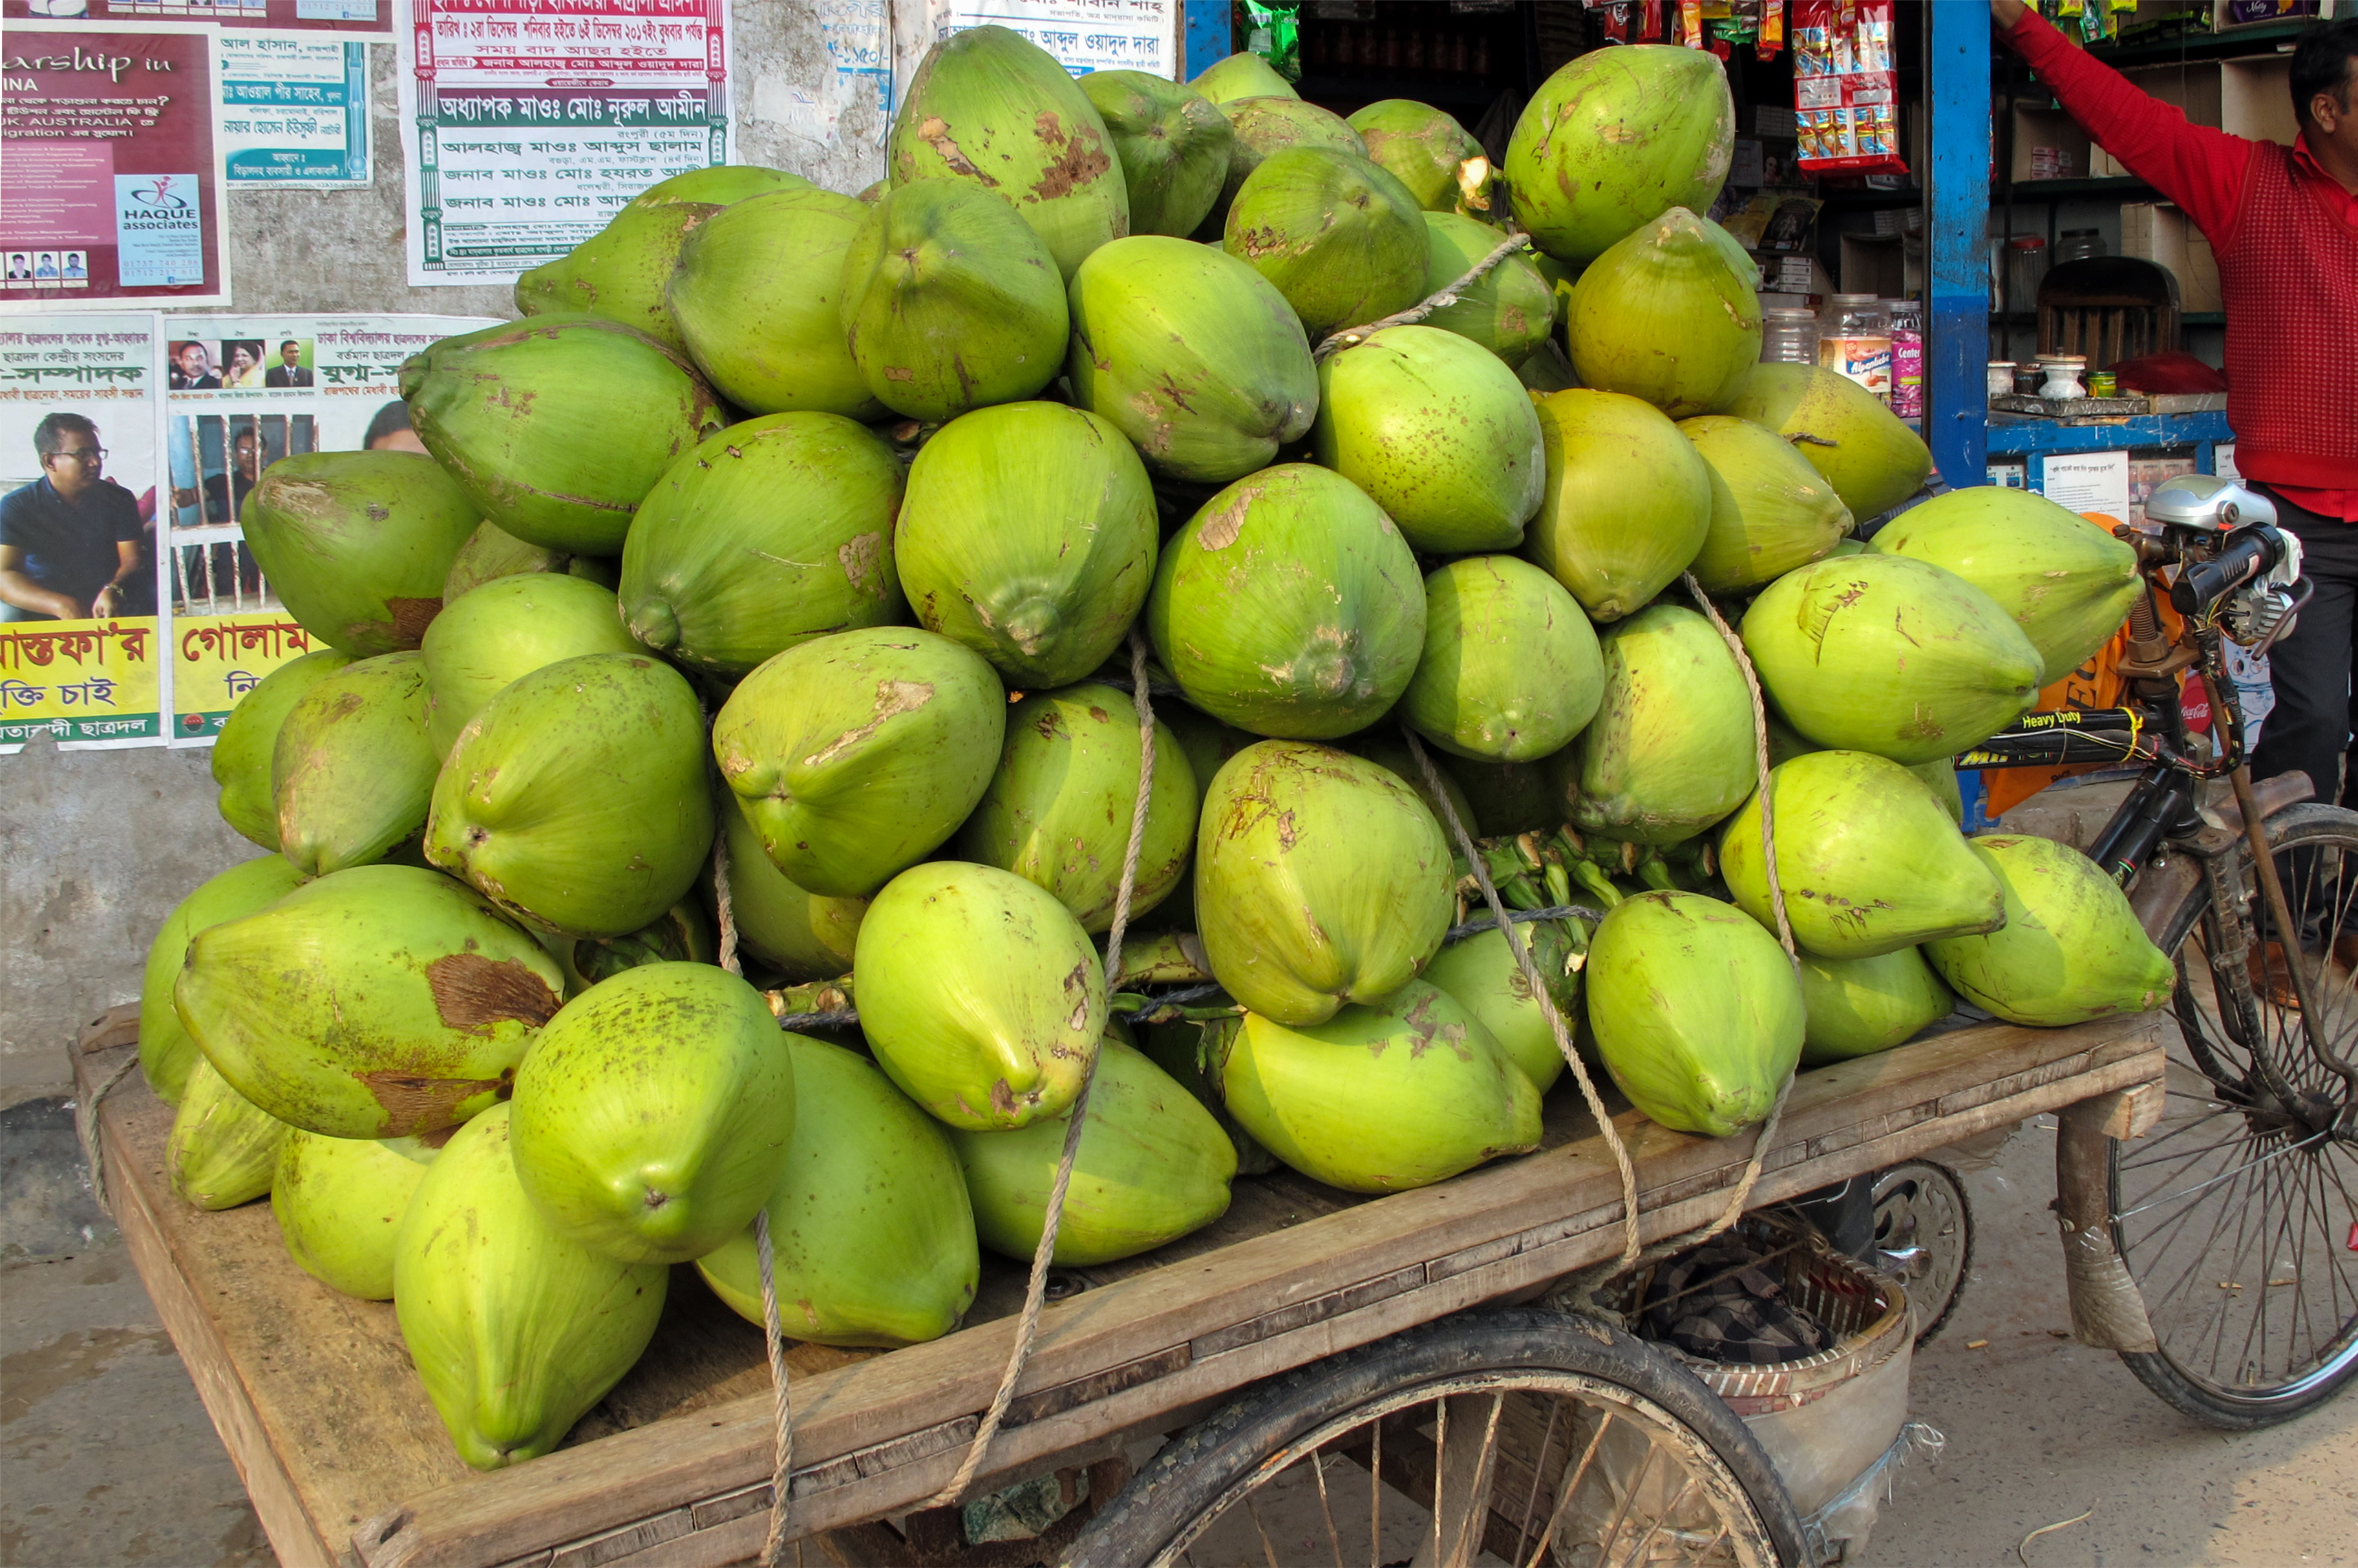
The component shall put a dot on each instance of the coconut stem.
(1035, 1291)
(1350, 337)
(1631, 1240)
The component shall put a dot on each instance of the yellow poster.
(219, 658)
(79, 680)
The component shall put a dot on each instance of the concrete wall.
(96, 847)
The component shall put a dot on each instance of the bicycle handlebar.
(2204, 583)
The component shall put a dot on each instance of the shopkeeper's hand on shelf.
(2006, 13)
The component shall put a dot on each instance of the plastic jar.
(2079, 244)
(2063, 383)
(1854, 340)
(1907, 357)
(1788, 337)
(2025, 267)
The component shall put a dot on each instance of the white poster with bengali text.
(1084, 35)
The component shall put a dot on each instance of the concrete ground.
(107, 1460)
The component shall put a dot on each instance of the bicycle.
(2236, 1216)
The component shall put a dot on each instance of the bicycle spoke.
(1629, 1501)
(1268, 1551)
(1333, 1536)
(1539, 1473)
(1375, 1497)
(1669, 1512)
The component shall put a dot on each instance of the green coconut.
(1856, 1007)
(1029, 535)
(357, 544)
(353, 768)
(652, 1118)
(1438, 432)
(1264, 126)
(1869, 859)
(1671, 749)
(1242, 76)
(1171, 144)
(620, 272)
(249, 740)
(523, 416)
(1321, 879)
(1616, 138)
(1512, 797)
(1511, 670)
(377, 1003)
(222, 1147)
(1628, 502)
(515, 1330)
(1289, 605)
(491, 552)
(773, 533)
(509, 628)
(950, 301)
(2071, 949)
(988, 107)
(1940, 778)
(340, 1202)
(1057, 812)
(1696, 1011)
(1891, 655)
(1341, 239)
(1152, 1166)
(979, 994)
(871, 1235)
(1508, 310)
(1481, 976)
(1666, 315)
(856, 755)
(802, 934)
(1193, 355)
(165, 1051)
(1847, 433)
(1770, 511)
(1396, 1093)
(1424, 150)
(1206, 741)
(575, 800)
(2067, 582)
(756, 297)
(720, 184)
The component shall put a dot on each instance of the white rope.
(1351, 337)
(94, 1153)
(1035, 1292)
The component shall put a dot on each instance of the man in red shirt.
(2283, 223)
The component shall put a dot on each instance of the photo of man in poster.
(46, 267)
(224, 493)
(288, 370)
(75, 266)
(20, 267)
(193, 369)
(69, 541)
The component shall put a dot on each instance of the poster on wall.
(1084, 35)
(113, 188)
(295, 111)
(242, 392)
(373, 18)
(527, 124)
(81, 657)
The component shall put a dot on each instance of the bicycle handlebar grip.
(2204, 584)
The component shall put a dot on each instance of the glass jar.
(2026, 266)
(2079, 244)
(1907, 357)
(1788, 337)
(1854, 342)
(2028, 378)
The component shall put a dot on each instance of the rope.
(1521, 917)
(1035, 1292)
(1630, 1239)
(86, 1128)
(782, 1462)
(1351, 337)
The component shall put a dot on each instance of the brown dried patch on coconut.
(934, 132)
(893, 697)
(410, 619)
(860, 557)
(412, 1101)
(475, 994)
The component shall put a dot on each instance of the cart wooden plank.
(326, 1419)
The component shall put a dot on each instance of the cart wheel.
(1511, 1437)
(1924, 1238)
(2235, 1215)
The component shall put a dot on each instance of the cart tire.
(1924, 1238)
(1231, 1456)
(2235, 1214)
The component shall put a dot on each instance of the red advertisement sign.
(367, 18)
(114, 186)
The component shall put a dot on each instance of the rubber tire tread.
(1192, 1473)
(2289, 828)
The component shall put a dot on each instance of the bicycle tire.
(2288, 1141)
(1952, 1263)
(1195, 1478)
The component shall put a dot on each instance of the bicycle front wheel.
(2235, 1215)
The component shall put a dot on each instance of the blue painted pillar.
(1956, 351)
(1207, 35)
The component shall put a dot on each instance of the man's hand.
(104, 604)
(2006, 13)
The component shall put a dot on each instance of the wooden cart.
(346, 1462)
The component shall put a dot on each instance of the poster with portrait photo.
(81, 655)
(241, 393)
(360, 18)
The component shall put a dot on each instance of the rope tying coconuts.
(1351, 337)
(1035, 1290)
(93, 1153)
